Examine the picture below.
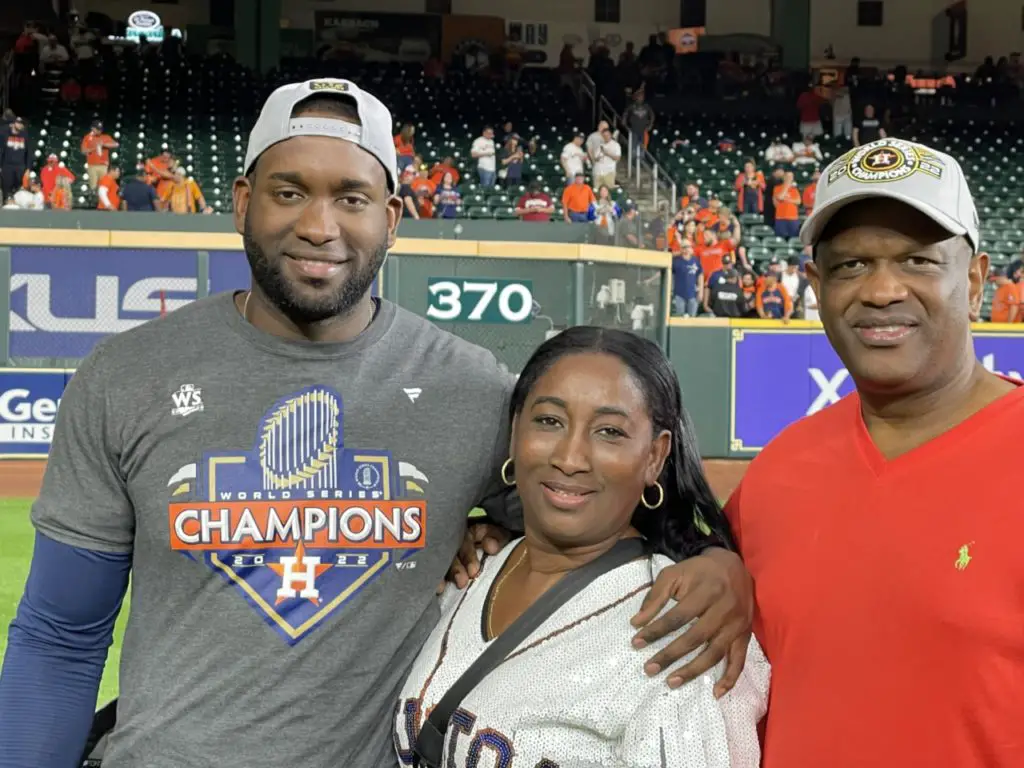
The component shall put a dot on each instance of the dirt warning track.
(22, 478)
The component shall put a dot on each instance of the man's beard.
(301, 310)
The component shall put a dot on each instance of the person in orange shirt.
(183, 196)
(440, 169)
(424, 189)
(810, 191)
(709, 216)
(61, 196)
(750, 186)
(772, 301)
(1006, 301)
(160, 172)
(693, 198)
(787, 207)
(108, 191)
(96, 146)
(50, 173)
(711, 253)
(405, 146)
(576, 200)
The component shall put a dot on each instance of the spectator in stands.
(750, 186)
(50, 172)
(83, 43)
(795, 283)
(138, 194)
(183, 196)
(787, 207)
(631, 229)
(573, 158)
(727, 226)
(809, 104)
(728, 299)
(108, 191)
(774, 182)
(30, 198)
(405, 146)
(869, 128)
(639, 119)
(592, 145)
(605, 213)
(512, 159)
(535, 205)
(424, 190)
(484, 152)
(61, 198)
(53, 56)
(810, 193)
(807, 152)
(749, 286)
(772, 301)
(26, 48)
(447, 165)
(778, 152)
(576, 200)
(410, 203)
(693, 198)
(1006, 300)
(715, 278)
(447, 199)
(160, 172)
(842, 114)
(96, 146)
(687, 282)
(712, 251)
(14, 158)
(608, 155)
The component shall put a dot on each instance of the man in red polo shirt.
(884, 532)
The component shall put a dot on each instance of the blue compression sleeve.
(56, 649)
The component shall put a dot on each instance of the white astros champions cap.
(923, 178)
(276, 124)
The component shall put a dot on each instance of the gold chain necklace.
(497, 589)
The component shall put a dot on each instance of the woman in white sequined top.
(601, 449)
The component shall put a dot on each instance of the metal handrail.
(640, 162)
(6, 76)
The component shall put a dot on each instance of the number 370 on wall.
(479, 301)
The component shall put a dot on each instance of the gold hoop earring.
(504, 473)
(661, 497)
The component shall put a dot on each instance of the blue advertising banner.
(64, 300)
(229, 271)
(780, 376)
(29, 398)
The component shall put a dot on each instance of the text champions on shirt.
(327, 525)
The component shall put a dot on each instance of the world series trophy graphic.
(299, 523)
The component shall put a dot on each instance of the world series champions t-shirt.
(291, 508)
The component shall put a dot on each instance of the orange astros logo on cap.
(885, 160)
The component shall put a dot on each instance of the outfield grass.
(15, 552)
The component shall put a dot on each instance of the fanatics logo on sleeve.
(187, 400)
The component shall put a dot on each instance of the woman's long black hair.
(690, 519)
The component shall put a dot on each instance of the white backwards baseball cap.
(276, 124)
(923, 178)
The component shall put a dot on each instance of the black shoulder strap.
(430, 743)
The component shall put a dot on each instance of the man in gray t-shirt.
(285, 473)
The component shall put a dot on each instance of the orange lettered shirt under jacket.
(1006, 296)
(890, 603)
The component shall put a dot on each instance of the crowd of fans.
(712, 271)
